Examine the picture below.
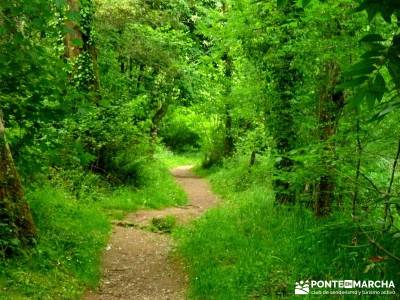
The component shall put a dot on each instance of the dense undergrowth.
(250, 248)
(297, 100)
(73, 213)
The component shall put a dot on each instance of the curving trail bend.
(137, 263)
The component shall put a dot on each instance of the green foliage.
(281, 93)
(85, 88)
(251, 248)
(173, 160)
(281, 82)
(154, 188)
(179, 131)
(213, 146)
(376, 77)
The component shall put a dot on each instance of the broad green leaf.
(373, 54)
(305, 3)
(379, 86)
(370, 99)
(356, 99)
(372, 10)
(73, 16)
(386, 12)
(377, 47)
(372, 38)
(60, 3)
(105, 103)
(363, 68)
(77, 42)
(282, 3)
(394, 70)
(386, 108)
(352, 83)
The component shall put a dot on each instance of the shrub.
(179, 131)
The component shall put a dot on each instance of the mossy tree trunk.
(281, 125)
(73, 39)
(79, 46)
(331, 103)
(229, 145)
(16, 223)
(155, 124)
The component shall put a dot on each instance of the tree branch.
(379, 246)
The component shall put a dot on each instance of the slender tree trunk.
(252, 158)
(358, 167)
(122, 65)
(281, 121)
(281, 125)
(94, 85)
(130, 67)
(229, 145)
(388, 217)
(156, 120)
(140, 78)
(330, 106)
(15, 213)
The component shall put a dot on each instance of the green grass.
(172, 160)
(73, 233)
(66, 259)
(248, 248)
(158, 189)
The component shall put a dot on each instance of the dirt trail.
(137, 263)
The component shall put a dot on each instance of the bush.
(213, 148)
(179, 131)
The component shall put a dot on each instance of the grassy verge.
(66, 259)
(73, 233)
(172, 160)
(158, 190)
(248, 248)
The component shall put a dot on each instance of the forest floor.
(138, 262)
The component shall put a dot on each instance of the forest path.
(137, 263)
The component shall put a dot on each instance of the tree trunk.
(94, 85)
(330, 106)
(156, 120)
(73, 40)
(15, 215)
(281, 125)
(122, 65)
(130, 67)
(252, 158)
(229, 145)
(78, 43)
(140, 78)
